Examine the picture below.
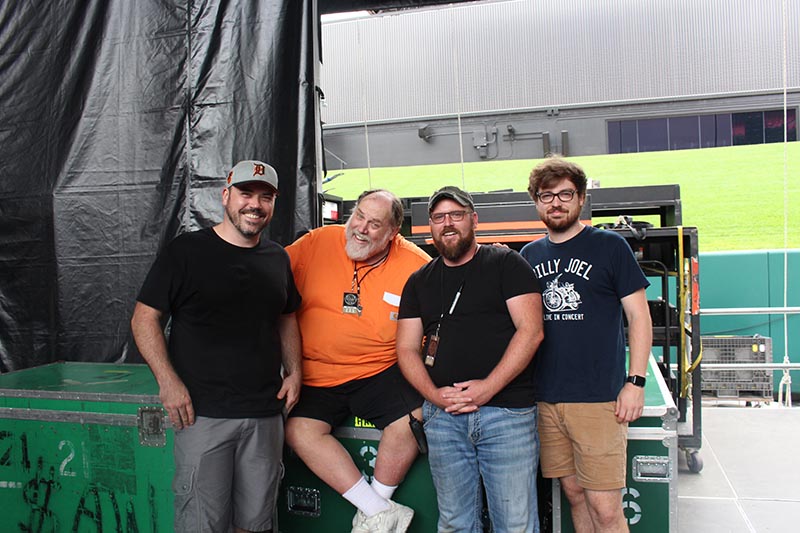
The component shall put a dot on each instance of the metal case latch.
(303, 501)
(152, 427)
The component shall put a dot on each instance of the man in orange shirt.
(351, 279)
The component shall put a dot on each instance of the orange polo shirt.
(339, 347)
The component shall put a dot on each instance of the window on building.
(708, 131)
(653, 135)
(773, 126)
(614, 137)
(629, 136)
(684, 133)
(748, 128)
(700, 131)
(724, 137)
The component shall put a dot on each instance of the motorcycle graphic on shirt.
(561, 297)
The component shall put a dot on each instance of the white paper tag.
(391, 299)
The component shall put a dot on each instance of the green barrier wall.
(753, 279)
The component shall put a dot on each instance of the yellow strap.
(684, 362)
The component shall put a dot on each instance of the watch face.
(639, 381)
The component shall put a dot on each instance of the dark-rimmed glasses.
(564, 196)
(455, 216)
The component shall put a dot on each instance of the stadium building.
(519, 79)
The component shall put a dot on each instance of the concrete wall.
(398, 143)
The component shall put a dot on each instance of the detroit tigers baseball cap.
(252, 171)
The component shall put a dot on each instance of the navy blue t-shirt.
(582, 357)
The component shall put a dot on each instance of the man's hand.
(453, 400)
(630, 403)
(290, 389)
(464, 397)
(176, 400)
(468, 396)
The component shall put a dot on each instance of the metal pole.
(751, 311)
(750, 366)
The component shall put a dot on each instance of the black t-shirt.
(472, 339)
(225, 302)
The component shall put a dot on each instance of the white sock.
(385, 491)
(365, 498)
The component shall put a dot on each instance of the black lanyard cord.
(458, 291)
(356, 284)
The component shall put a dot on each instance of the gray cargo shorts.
(227, 473)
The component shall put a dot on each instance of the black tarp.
(118, 122)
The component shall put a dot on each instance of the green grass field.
(739, 198)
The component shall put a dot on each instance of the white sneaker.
(358, 523)
(395, 519)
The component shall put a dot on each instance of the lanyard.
(433, 341)
(458, 291)
(356, 283)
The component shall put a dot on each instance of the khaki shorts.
(583, 439)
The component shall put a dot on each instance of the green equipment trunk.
(84, 447)
(306, 504)
(650, 496)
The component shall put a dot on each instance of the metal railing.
(751, 311)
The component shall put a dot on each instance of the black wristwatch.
(639, 381)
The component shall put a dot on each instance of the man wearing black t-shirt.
(232, 300)
(476, 313)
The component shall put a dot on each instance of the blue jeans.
(497, 444)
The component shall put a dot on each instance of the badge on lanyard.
(351, 304)
(433, 346)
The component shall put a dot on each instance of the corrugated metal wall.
(535, 54)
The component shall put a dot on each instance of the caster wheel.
(694, 462)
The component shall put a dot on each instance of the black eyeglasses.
(564, 196)
(455, 216)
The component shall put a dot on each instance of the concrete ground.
(750, 480)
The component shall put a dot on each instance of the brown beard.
(562, 224)
(459, 249)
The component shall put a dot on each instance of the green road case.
(84, 447)
(306, 504)
(650, 497)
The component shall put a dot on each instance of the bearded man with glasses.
(584, 398)
(470, 322)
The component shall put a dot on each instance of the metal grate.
(737, 383)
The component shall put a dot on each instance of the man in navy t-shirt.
(589, 278)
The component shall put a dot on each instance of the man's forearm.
(291, 345)
(149, 337)
(640, 331)
(414, 371)
(640, 341)
(409, 359)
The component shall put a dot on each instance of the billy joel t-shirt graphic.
(560, 297)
